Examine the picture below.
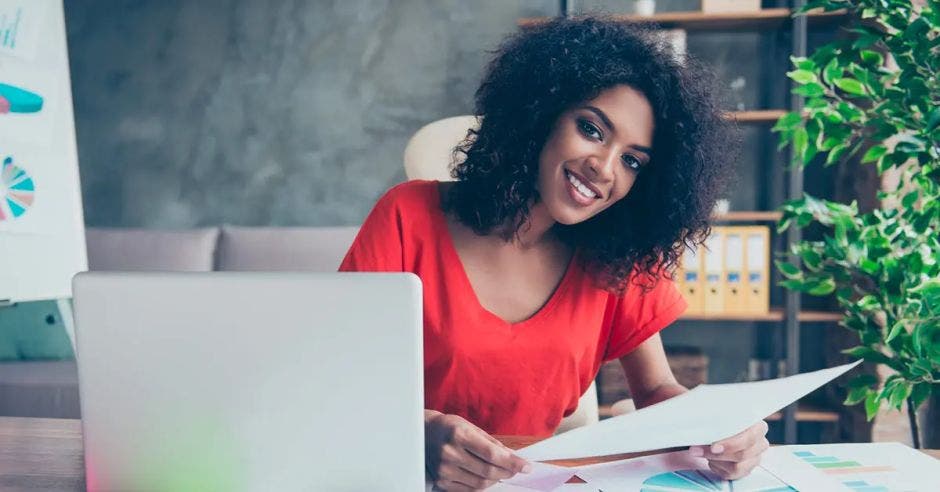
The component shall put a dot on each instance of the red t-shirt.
(507, 378)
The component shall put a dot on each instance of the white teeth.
(578, 185)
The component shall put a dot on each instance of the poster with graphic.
(42, 239)
(20, 24)
(674, 472)
(869, 467)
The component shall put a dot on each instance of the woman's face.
(594, 154)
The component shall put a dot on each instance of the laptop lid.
(251, 381)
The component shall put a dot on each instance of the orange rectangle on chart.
(757, 262)
(691, 281)
(734, 270)
(714, 266)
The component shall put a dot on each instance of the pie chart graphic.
(16, 100)
(17, 191)
(696, 480)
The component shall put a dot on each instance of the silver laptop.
(251, 381)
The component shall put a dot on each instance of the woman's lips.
(576, 195)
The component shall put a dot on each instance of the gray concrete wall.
(277, 112)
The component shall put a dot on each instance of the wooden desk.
(46, 454)
(41, 454)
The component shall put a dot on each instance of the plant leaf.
(872, 404)
(802, 76)
(896, 330)
(850, 85)
(856, 395)
(788, 269)
(811, 89)
(874, 153)
(825, 287)
(832, 71)
(872, 57)
(909, 199)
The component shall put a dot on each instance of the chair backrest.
(430, 152)
(586, 414)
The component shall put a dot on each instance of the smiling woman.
(598, 159)
(546, 72)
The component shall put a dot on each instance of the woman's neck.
(537, 229)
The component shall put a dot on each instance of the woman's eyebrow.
(648, 151)
(603, 116)
(600, 114)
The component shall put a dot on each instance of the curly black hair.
(544, 70)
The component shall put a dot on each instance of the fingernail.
(717, 448)
(696, 451)
(527, 468)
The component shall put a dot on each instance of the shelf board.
(716, 21)
(760, 116)
(748, 216)
(807, 414)
(775, 314)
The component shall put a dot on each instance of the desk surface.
(46, 454)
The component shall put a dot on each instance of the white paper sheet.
(672, 471)
(879, 466)
(544, 477)
(704, 415)
(568, 487)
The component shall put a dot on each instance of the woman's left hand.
(736, 456)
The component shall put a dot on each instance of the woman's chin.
(572, 217)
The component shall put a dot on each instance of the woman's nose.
(600, 166)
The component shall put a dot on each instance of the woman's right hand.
(461, 456)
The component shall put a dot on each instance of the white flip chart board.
(42, 238)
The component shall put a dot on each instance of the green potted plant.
(875, 98)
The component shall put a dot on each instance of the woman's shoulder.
(411, 195)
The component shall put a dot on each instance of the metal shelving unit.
(794, 235)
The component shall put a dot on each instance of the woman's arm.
(651, 381)
(648, 374)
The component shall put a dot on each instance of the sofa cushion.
(312, 249)
(190, 250)
(33, 331)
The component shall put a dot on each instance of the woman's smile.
(580, 189)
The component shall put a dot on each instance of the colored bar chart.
(863, 486)
(837, 466)
(833, 465)
(855, 467)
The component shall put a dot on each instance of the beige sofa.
(49, 389)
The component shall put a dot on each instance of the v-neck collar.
(450, 249)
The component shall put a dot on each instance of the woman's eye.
(632, 162)
(589, 129)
